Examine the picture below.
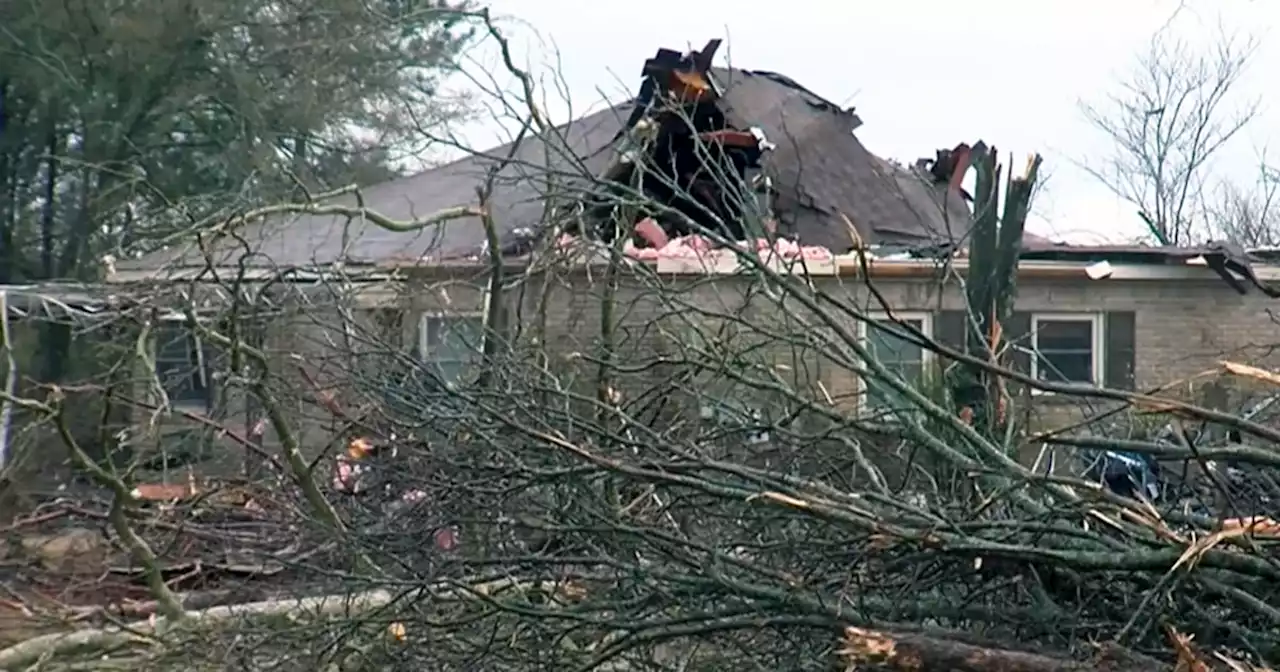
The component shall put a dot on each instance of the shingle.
(819, 167)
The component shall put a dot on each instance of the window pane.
(450, 371)
(1066, 367)
(1068, 335)
(178, 363)
(889, 348)
(173, 342)
(454, 344)
(898, 356)
(881, 396)
(388, 326)
(454, 338)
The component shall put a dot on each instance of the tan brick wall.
(1182, 328)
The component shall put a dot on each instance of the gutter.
(852, 266)
(838, 266)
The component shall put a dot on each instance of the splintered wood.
(864, 649)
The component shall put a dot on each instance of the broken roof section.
(818, 168)
(1234, 264)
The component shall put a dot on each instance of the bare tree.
(626, 473)
(1167, 121)
(1248, 215)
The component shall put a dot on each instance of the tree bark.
(909, 652)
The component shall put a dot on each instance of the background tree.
(111, 114)
(717, 507)
(1167, 121)
(196, 100)
(1248, 214)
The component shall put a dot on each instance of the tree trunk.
(994, 249)
(48, 215)
(7, 175)
(910, 652)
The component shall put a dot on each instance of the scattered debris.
(1188, 660)
(445, 538)
(61, 567)
(696, 167)
(700, 247)
(166, 492)
(950, 165)
(351, 468)
(75, 550)
(1099, 271)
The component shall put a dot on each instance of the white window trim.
(864, 329)
(1095, 342)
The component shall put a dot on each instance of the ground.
(60, 568)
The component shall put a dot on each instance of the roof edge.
(839, 266)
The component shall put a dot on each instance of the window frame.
(1097, 362)
(201, 363)
(423, 337)
(927, 356)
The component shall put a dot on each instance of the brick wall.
(1179, 329)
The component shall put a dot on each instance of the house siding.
(1180, 329)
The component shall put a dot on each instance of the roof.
(1232, 263)
(819, 168)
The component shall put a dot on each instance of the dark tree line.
(119, 121)
(122, 123)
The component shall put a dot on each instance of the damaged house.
(746, 155)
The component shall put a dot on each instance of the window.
(899, 356)
(451, 344)
(1066, 348)
(182, 364)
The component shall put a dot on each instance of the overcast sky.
(922, 74)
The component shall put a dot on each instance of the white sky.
(922, 74)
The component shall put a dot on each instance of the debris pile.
(365, 472)
(678, 150)
(701, 247)
(949, 166)
(214, 544)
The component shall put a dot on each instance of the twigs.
(688, 474)
(169, 603)
(913, 652)
(344, 605)
(10, 383)
(290, 447)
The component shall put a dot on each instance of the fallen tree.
(912, 652)
(676, 469)
(148, 632)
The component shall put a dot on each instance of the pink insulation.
(697, 247)
(693, 247)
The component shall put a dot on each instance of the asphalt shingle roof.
(819, 167)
